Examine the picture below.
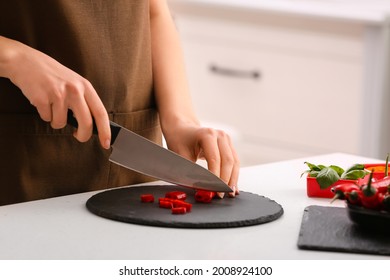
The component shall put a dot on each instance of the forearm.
(170, 83)
(8, 51)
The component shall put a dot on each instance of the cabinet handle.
(254, 74)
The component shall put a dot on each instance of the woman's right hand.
(53, 89)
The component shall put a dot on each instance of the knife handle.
(115, 128)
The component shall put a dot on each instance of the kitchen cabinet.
(288, 83)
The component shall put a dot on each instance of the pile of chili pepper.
(175, 200)
(373, 195)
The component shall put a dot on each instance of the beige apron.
(107, 42)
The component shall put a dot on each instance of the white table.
(62, 228)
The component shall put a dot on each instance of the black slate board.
(330, 229)
(124, 205)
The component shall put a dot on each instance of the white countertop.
(365, 11)
(62, 228)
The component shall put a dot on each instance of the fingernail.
(234, 192)
(107, 144)
(220, 194)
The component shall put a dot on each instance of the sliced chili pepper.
(175, 203)
(147, 198)
(179, 210)
(180, 203)
(164, 199)
(204, 196)
(165, 204)
(176, 195)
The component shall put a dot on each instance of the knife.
(139, 154)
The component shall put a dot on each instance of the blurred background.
(289, 79)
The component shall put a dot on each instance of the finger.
(209, 147)
(45, 112)
(227, 158)
(187, 155)
(100, 116)
(229, 162)
(84, 119)
(233, 183)
(59, 115)
(43, 108)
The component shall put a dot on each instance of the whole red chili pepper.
(354, 197)
(382, 185)
(380, 198)
(386, 202)
(369, 194)
(341, 190)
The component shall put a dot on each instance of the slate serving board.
(330, 229)
(124, 205)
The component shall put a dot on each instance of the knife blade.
(139, 154)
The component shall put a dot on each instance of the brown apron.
(107, 42)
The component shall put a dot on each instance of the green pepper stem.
(336, 196)
(369, 184)
(370, 190)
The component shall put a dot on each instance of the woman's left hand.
(215, 146)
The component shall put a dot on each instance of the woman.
(118, 60)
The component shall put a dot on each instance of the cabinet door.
(305, 101)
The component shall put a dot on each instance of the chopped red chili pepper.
(166, 204)
(147, 198)
(179, 210)
(180, 203)
(204, 196)
(176, 195)
(177, 203)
